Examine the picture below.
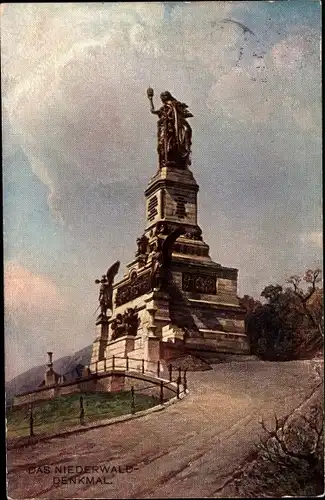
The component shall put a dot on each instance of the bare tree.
(299, 284)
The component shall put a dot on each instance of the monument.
(172, 296)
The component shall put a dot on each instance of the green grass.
(63, 412)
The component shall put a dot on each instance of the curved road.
(193, 448)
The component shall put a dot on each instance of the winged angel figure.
(106, 289)
(162, 259)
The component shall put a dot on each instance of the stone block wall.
(120, 347)
(226, 289)
(43, 394)
(234, 343)
(180, 205)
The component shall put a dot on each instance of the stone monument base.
(120, 347)
(172, 294)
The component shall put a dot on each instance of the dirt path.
(190, 449)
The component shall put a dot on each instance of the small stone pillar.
(152, 327)
(152, 340)
(50, 378)
(158, 301)
(50, 364)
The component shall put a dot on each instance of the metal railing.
(133, 364)
(114, 364)
(163, 378)
(136, 400)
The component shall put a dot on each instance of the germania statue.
(174, 132)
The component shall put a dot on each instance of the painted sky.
(80, 146)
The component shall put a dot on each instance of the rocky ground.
(189, 363)
(202, 446)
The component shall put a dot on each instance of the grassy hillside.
(63, 412)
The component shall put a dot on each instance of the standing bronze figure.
(142, 244)
(162, 259)
(106, 289)
(174, 132)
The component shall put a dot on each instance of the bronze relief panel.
(199, 283)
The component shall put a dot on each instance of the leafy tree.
(290, 323)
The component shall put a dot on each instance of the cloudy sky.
(79, 147)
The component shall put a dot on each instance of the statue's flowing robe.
(174, 134)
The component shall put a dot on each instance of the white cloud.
(78, 100)
(240, 97)
(296, 52)
(274, 86)
(315, 238)
(29, 293)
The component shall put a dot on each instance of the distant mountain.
(30, 380)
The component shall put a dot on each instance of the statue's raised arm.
(150, 97)
(174, 132)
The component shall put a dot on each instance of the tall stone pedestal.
(198, 309)
(100, 343)
(151, 353)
